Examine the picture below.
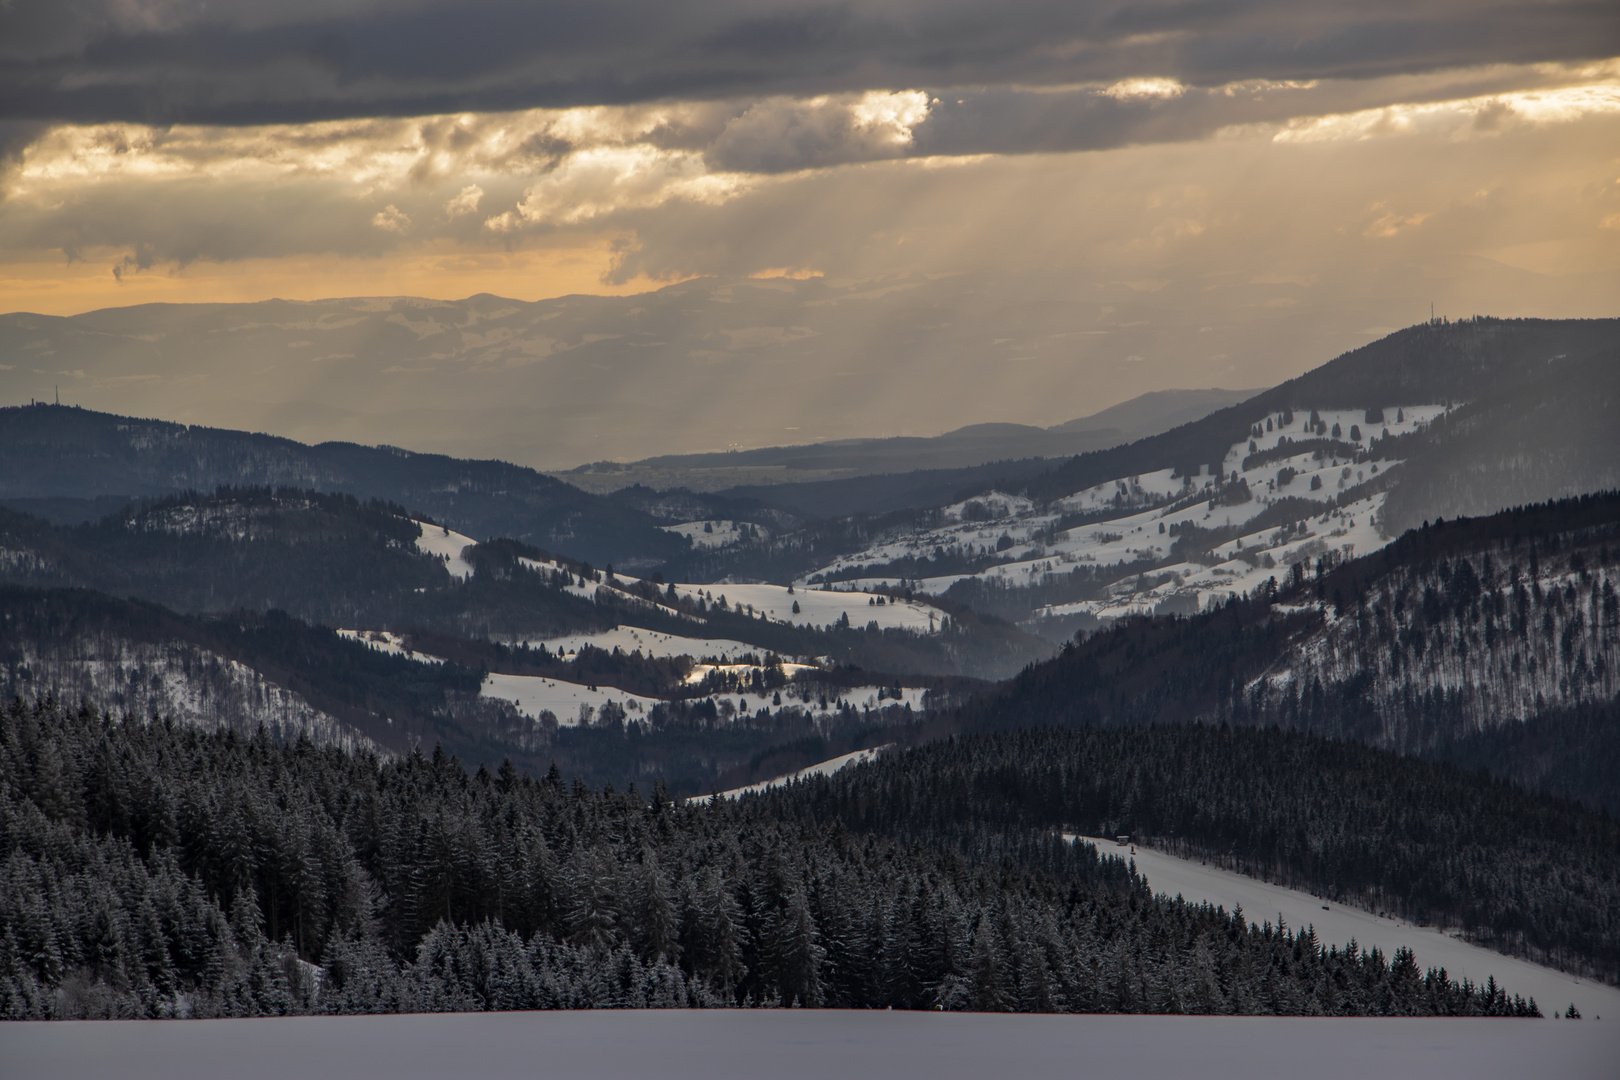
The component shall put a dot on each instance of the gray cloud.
(242, 61)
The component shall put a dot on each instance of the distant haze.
(700, 367)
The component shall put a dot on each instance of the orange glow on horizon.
(47, 285)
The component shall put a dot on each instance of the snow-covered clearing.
(385, 641)
(587, 589)
(446, 545)
(819, 607)
(812, 700)
(716, 534)
(809, 1044)
(534, 694)
(650, 643)
(822, 768)
(1337, 925)
(816, 607)
(537, 694)
(700, 672)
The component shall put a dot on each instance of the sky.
(1184, 193)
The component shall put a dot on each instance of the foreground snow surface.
(1198, 882)
(807, 1043)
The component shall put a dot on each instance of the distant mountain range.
(964, 448)
(702, 365)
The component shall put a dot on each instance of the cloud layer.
(145, 197)
(247, 62)
(1031, 288)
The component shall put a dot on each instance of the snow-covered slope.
(650, 643)
(811, 1044)
(821, 768)
(446, 545)
(1135, 522)
(716, 533)
(1337, 925)
(177, 679)
(534, 695)
(385, 641)
(823, 607)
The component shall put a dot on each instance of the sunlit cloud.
(1146, 88)
(1466, 118)
(465, 201)
(391, 219)
(1388, 223)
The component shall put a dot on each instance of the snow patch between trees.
(1337, 925)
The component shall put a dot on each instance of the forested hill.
(1567, 367)
(240, 671)
(54, 453)
(157, 870)
(1526, 874)
(326, 558)
(1456, 639)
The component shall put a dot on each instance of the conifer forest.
(157, 870)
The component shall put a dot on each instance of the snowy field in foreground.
(1196, 882)
(792, 1044)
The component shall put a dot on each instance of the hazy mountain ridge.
(963, 448)
(698, 366)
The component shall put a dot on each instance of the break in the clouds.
(249, 62)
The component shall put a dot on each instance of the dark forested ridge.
(56, 452)
(1525, 874)
(323, 557)
(244, 670)
(158, 870)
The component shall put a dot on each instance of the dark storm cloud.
(235, 61)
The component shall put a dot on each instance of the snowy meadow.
(809, 1044)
